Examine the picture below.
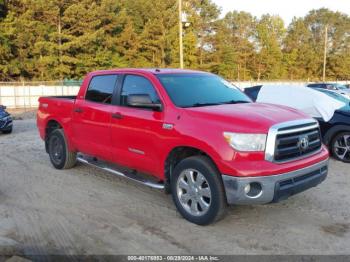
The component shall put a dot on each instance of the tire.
(60, 156)
(198, 190)
(340, 147)
(7, 131)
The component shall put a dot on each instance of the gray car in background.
(6, 121)
(338, 88)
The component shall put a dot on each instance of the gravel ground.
(86, 211)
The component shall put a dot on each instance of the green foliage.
(269, 35)
(58, 39)
(234, 47)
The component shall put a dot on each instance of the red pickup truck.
(190, 133)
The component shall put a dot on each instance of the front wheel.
(340, 147)
(198, 191)
(60, 156)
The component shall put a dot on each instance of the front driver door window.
(136, 85)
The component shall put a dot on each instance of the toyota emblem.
(303, 143)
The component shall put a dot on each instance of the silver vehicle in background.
(337, 88)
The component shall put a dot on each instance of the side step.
(114, 170)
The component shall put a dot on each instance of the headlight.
(246, 142)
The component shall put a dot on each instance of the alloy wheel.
(193, 192)
(342, 147)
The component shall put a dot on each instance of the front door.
(135, 131)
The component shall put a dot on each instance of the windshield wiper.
(203, 104)
(235, 102)
(217, 104)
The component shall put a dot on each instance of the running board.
(109, 168)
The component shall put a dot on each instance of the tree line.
(57, 39)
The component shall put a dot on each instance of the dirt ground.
(86, 211)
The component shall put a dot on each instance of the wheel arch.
(51, 125)
(177, 154)
(333, 131)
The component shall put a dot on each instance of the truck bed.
(59, 108)
(61, 97)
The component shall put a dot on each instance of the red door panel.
(135, 138)
(91, 128)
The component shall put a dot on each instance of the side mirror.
(142, 101)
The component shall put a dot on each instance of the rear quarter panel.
(56, 109)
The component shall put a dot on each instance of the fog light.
(253, 190)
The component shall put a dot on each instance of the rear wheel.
(198, 191)
(60, 156)
(340, 147)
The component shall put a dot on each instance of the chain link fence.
(65, 82)
(26, 96)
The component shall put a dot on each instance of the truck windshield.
(196, 90)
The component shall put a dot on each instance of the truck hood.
(247, 117)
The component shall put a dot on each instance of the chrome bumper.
(273, 188)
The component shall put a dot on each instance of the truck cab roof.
(155, 71)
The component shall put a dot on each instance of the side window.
(137, 85)
(101, 89)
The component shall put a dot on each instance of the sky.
(286, 9)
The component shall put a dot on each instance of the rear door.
(92, 117)
(136, 132)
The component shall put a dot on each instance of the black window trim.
(114, 94)
(120, 89)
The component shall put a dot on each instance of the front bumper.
(267, 189)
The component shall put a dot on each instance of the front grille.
(293, 181)
(297, 141)
(289, 187)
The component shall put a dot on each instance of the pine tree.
(269, 34)
(57, 39)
